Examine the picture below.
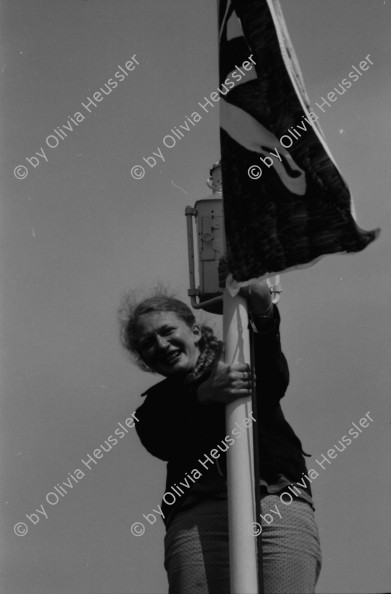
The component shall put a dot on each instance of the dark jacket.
(175, 427)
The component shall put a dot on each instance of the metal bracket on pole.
(209, 220)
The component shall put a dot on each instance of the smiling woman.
(162, 335)
(166, 343)
(183, 417)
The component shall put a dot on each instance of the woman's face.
(167, 344)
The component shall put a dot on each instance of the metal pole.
(240, 476)
(240, 457)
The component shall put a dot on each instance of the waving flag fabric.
(285, 202)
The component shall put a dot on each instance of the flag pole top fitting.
(207, 214)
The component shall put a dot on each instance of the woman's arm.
(173, 421)
(270, 367)
(227, 383)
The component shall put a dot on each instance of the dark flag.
(285, 201)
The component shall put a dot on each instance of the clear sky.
(79, 230)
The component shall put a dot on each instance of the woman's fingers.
(242, 393)
(241, 372)
(226, 383)
(240, 367)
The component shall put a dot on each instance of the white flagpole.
(240, 476)
(240, 457)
